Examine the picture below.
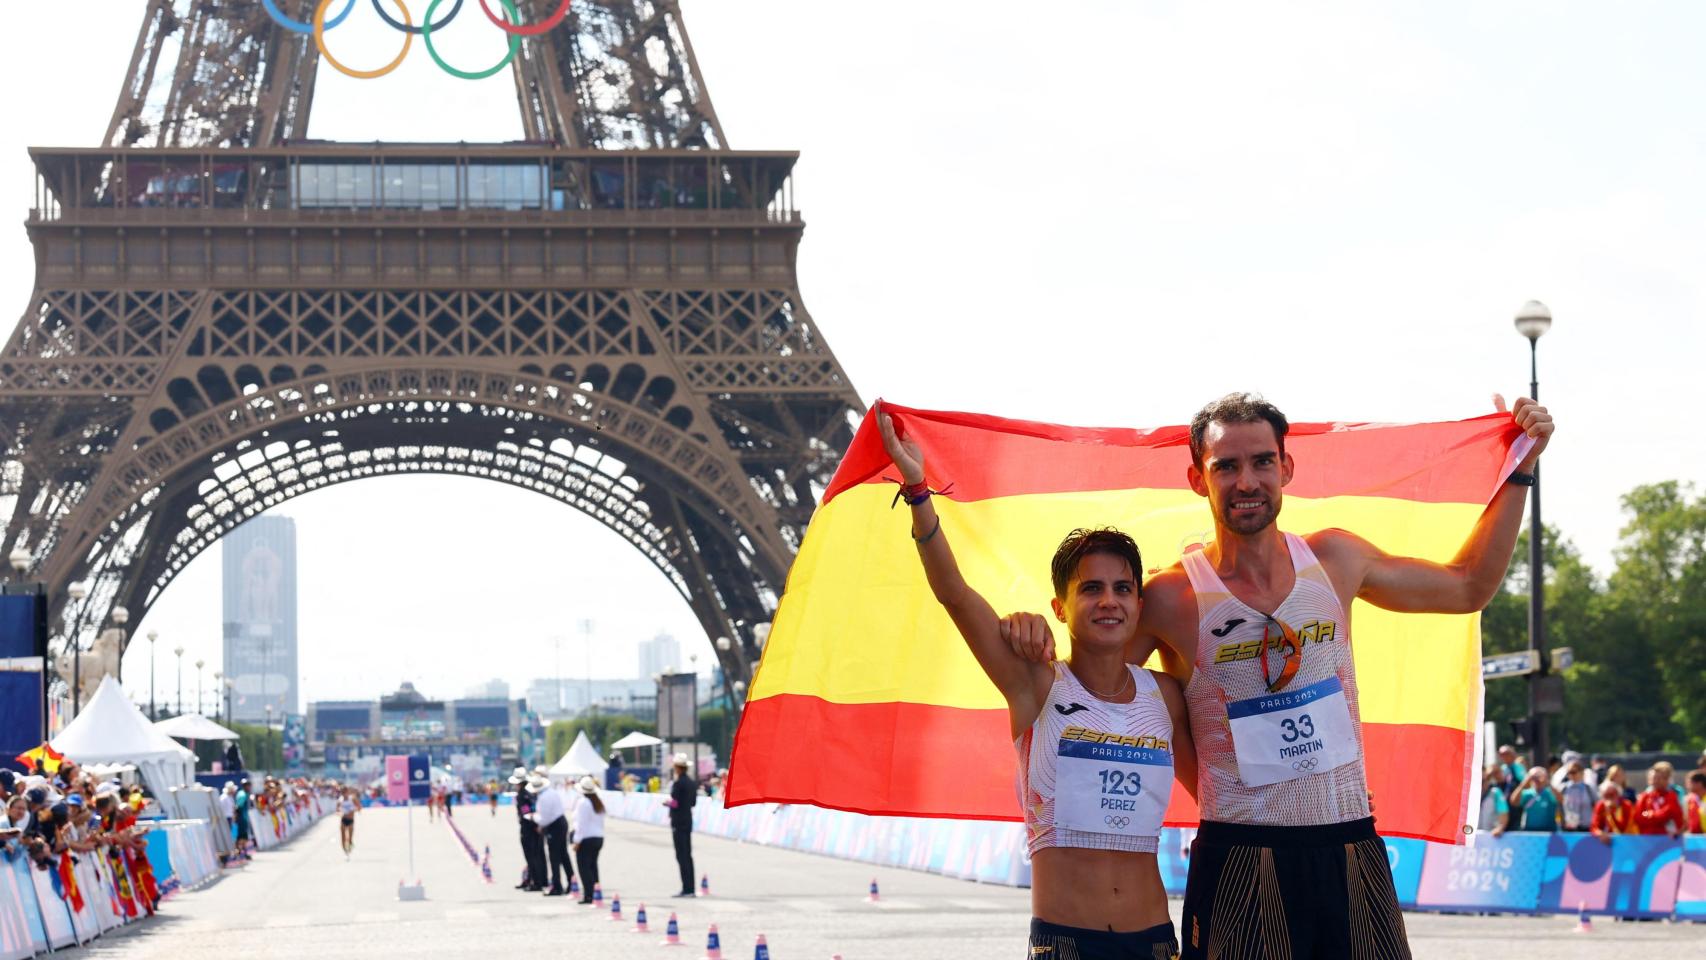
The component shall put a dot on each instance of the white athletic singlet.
(1113, 761)
(1280, 751)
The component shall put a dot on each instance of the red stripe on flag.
(1456, 462)
(889, 759)
(916, 760)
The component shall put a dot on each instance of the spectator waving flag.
(868, 700)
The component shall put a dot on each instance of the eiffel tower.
(227, 315)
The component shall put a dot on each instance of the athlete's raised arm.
(1018, 680)
(1465, 584)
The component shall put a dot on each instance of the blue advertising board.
(23, 643)
(420, 777)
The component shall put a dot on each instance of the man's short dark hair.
(1083, 542)
(1698, 776)
(1236, 408)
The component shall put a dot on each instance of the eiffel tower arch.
(226, 315)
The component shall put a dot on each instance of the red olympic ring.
(529, 31)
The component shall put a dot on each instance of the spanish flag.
(49, 759)
(868, 700)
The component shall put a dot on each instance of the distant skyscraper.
(660, 654)
(260, 617)
(489, 690)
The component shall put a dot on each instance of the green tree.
(602, 729)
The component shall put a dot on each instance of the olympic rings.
(379, 8)
(320, 42)
(297, 26)
(426, 34)
(532, 31)
(1118, 823)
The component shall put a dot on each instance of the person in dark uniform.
(682, 793)
(532, 844)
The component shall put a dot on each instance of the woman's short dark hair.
(1237, 408)
(1083, 542)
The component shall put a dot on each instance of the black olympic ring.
(1308, 764)
(1119, 823)
(393, 24)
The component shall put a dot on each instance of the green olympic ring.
(514, 44)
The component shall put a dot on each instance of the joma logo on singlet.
(1088, 735)
(1315, 631)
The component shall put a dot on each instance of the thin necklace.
(1100, 695)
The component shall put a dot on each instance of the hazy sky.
(1092, 213)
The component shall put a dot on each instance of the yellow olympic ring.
(320, 42)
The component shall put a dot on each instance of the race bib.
(1297, 733)
(1112, 788)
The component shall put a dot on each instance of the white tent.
(635, 739)
(110, 729)
(581, 759)
(194, 726)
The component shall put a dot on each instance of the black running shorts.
(1303, 892)
(1051, 941)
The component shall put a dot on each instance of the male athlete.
(1257, 626)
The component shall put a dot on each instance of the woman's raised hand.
(908, 459)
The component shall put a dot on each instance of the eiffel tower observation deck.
(227, 315)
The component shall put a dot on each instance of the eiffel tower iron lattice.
(226, 316)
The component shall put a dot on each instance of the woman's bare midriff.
(1097, 889)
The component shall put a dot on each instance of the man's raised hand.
(1534, 421)
(1029, 636)
(907, 457)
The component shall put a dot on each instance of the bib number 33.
(1295, 733)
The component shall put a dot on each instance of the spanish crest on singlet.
(1095, 774)
(1273, 702)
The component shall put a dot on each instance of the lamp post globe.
(1532, 322)
(20, 559)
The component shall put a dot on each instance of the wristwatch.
(1522, 479)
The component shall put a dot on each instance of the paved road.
(306, 902)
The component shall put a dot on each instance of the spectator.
(1599, 769)
(1536, 803)
(1562, 776)
(1495, 809)
(1511, 766)
(1617, 776)
(1696, 801)
(1578, 798)
(1658, 812)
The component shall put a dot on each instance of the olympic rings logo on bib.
(1118, 823)
(1306, 765)
(509, 22)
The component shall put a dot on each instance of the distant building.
(489, 690)
(342, 734)
(554, 699)
(660, 654)
(259, 601)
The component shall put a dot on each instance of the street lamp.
(76, 591)
(153, 637)
(218, 685)
(198, 665)
(178, 651)
(121, 616)
(20, 560)
(723, 645)
(1532, 321)
(227, 694)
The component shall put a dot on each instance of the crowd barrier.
(1633, 876)
(38, 911)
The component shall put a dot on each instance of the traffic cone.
(874, 897)
(615, 907)
(762, 950)
(640, 920)
(1584, 924)
(713, 946)
(486, 865)
(574, 886)
(597, 897)
(672, 933)
(704, 885)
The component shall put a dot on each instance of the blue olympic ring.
(406, 28)
(297, 26)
